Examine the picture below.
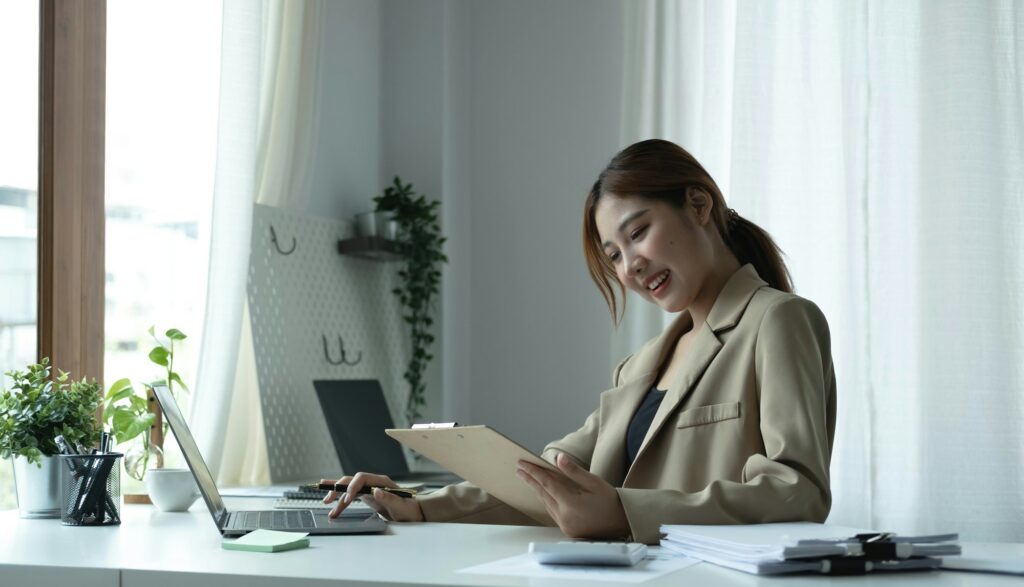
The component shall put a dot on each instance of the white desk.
(154, 549)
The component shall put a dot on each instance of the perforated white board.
(294, 301)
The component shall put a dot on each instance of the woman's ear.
(701, 204)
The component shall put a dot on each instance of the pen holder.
(90, 489)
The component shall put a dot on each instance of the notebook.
(238, 523)
(357, 416)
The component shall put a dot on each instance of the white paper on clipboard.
(484, 457)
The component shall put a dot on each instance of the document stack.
(805, 547)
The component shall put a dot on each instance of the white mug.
(171, 490)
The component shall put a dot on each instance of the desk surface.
(158, 549)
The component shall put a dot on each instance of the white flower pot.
(38, 488)
(377, 224)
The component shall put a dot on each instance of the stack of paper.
(766, 549)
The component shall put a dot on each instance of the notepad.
(268, 541)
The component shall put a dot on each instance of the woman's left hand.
(581, 503)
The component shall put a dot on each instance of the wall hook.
(344, 356)
(273, 239)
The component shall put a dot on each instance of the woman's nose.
(637, 264)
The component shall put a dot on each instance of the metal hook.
(273, 239)
(346, 361)
(344, 356)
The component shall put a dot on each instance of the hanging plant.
(419, 244)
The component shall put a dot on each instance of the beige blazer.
(743, 435)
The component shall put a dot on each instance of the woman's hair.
(660, 170)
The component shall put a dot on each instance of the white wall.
(346, 168)
(545, 95)
(506, 111)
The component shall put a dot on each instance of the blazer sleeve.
(468, 503)
(790, 481)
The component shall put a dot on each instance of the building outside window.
(163, 75)
(19, 177)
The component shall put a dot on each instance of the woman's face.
(660, 251)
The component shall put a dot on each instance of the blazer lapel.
(725, 314)
(703, 350)
(617, 408)
(620, 403)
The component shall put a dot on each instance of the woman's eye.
(614, 257)
(637, 233)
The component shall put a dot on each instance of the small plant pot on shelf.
(381, 225)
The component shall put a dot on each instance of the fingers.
(542, 492)
(554, 482)
(355, 484)
(573, 471)
(394, 507)
(333, 495)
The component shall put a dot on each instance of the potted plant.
(130, 414)
(33, 412)
(419, 243)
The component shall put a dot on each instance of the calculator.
(618, 554)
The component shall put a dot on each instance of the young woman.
(727, 417)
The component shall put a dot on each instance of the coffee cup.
(171, 490)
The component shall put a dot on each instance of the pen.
(368, 490)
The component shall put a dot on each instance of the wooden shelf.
(373, 248)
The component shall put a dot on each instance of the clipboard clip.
(434, 425)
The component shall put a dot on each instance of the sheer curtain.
(881, 144)
(268, 107)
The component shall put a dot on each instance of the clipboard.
(484, 457)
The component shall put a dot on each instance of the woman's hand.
(581, 503)
(389, 505)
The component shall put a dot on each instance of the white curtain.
(268, 107)
(881, 144)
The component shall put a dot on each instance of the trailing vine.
(419, 245)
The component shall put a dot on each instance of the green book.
(268, 541)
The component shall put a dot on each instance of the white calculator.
(619, 554)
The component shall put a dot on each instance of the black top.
(641, 422)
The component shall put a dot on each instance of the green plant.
(38, 408)
(419, 244)
(127, 412)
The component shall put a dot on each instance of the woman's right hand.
(389, 505)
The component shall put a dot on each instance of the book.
(268, 541)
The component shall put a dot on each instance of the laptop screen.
(193, 457)
(356, 416)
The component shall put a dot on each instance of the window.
(163, 81)
(19, 172)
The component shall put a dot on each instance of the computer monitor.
(357, 415)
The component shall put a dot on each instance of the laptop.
(357, 416)
(238, 523)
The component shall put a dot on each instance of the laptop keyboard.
(278, 520)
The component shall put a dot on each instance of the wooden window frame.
(72, 218)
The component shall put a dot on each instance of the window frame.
(72, 222)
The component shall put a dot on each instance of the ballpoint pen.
(367, 489)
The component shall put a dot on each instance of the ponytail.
(752, 244)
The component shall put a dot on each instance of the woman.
(727, 417)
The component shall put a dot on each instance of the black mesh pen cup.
(90, 488)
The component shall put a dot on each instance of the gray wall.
(506, 111)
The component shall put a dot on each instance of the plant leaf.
(128, 425)
(159, 355)
(118, 390)
(175, 334)
(177, 379)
